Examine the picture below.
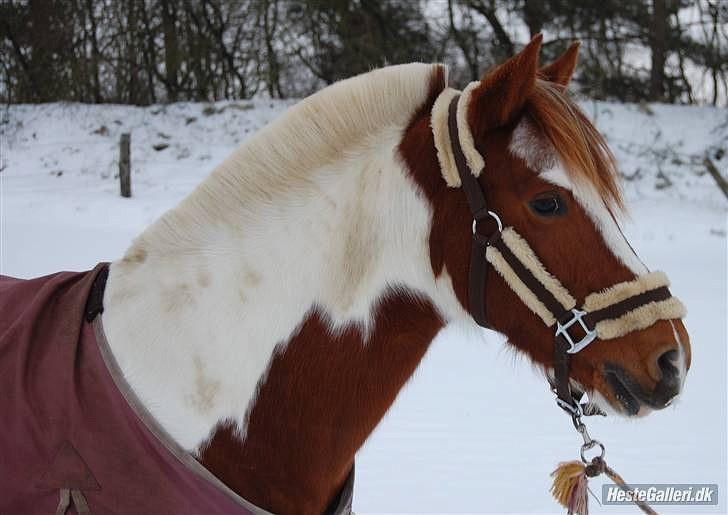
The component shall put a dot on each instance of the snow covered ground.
(475, 430)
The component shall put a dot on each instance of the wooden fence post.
(717, 177)
(125, 164)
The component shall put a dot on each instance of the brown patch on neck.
(324, 393)
(322, 397)
(417, 149)
(449, 239)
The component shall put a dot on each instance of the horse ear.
(501, 94)
(561, 70)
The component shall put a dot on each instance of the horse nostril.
(666, 363)
(669, 384)
(661, 363)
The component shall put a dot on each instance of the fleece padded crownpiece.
(441, 133)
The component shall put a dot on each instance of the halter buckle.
(563, 330)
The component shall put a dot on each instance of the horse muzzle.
(633, 397)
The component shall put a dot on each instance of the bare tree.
(146, 51)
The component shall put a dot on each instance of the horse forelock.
(582, 150)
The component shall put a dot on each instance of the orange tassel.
(570, 487)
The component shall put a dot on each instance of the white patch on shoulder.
(194, 330)
(528, 144)
(316, 211)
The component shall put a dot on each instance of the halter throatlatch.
(618, 310)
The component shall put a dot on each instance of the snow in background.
(476, 430)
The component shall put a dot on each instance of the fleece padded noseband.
(633, 305)
(608, 314)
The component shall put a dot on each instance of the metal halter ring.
(590, 445)
(494, 217)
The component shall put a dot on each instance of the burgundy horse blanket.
(74, 437)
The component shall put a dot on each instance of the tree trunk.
(533, 15)
(503, 39)
(270, 23)
(171, 50)
(41, 40)
(149, 53)
(658, 46)
(130, 39)
(95, 53)
(470, 53)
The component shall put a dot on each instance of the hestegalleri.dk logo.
(696, 494)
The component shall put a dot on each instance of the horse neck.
(269, 333)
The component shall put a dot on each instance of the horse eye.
(551, 205)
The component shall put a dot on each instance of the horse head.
(548, 175)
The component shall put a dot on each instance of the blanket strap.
(64, 501)
(95, 302)
(79, 501)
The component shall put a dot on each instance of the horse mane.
(322, 129)
(327, 127)
(582, 149)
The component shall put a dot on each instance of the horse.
(264, 326)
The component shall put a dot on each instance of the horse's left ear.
(561, 70)
(501, 94)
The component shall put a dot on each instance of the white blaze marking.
(538, 154)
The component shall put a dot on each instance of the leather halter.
(567, 317)
(481, 216)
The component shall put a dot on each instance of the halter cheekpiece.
(611, 313)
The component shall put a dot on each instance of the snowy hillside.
(476, 430)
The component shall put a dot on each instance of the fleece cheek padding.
(496, 259)
(523, 252)
(525, 255)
